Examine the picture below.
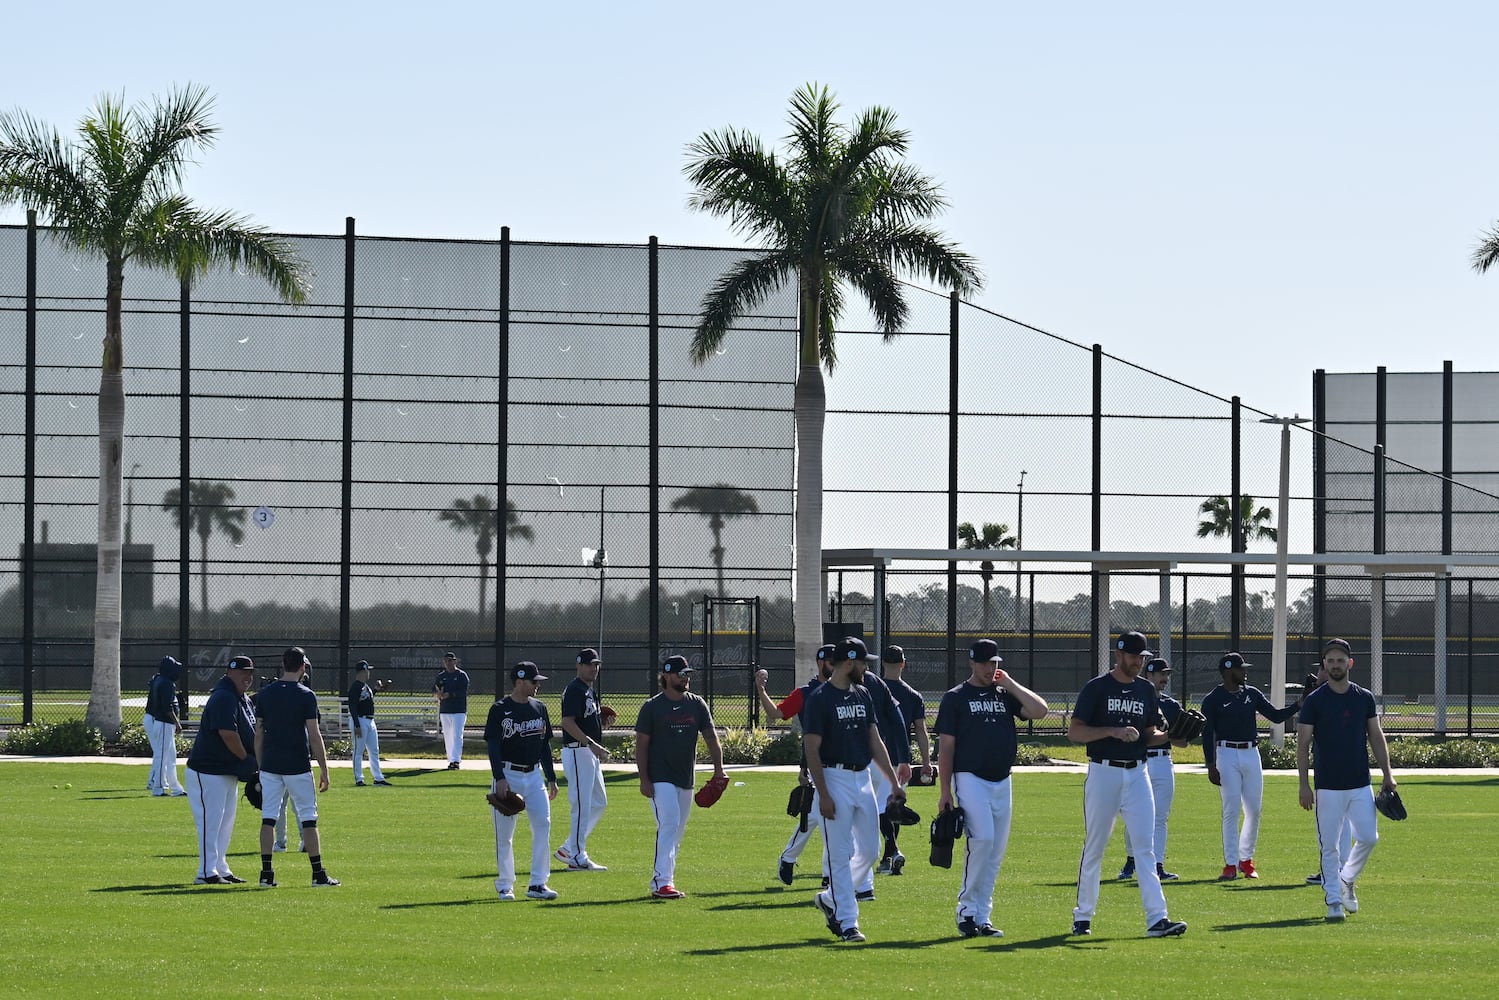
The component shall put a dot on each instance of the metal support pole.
(1100, 581)
(28, 531)
(1441, 599)
(1236, 528)
(346, 524)
(184, 481)
(952, 488)
(1163, 617)
(654, 470)
(502, 466)
(1282, 541)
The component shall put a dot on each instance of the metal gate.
(731, 655)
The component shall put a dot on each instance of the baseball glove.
(711, 792)
(508, 804)
(1309, 683)
(607, 716)
(248, 768)
(253, 792)
(799, 805)
(1388, 802)
(946, 828)
(901, 814)
(1187, 725)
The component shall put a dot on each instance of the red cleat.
(667, 892)
(1247, 867)
(1228, 874)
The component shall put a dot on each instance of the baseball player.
(518, 734)
(220, 759)
(1158, 766)
(795, 705)
(162, 727)
(666, 732)
(975, 752)
(1230, 739)
(287, 739)
(895, 734)
(912, 707)
(1339, 721)
(1345, 837)
(582, 755)
(842, 740)
(1117, 715)
(361, 702)
(451, 691)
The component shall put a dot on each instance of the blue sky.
(1230, 196)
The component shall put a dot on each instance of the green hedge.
(55, 739)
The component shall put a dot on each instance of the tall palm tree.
(480, 517)
(840, 208)
(208, 510)
(718, 503)
(1486, 254)
(115, 194)
(990, 536)
(1255, 524)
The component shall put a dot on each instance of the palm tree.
(480, 516)
(115, 194)
(991, 536)
(841, 208)
(1486, 254)
(717, 503)
(207, 511)
(1254, 524)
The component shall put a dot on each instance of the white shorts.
(274, 788)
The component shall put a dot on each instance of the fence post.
(1236, 527)
(346, 524)
(502, 465)
(28, 536)
(184, 481)
(653, 275)
(953, 369)
(1100, 589)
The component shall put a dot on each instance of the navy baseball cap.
(1156, 665)
(361, 666)
(824, 652)
(241, 663)
(1132, 642)
(985, 650)
(169, 662)
(450, 655)
(893, 654)
(589, 655)
(525, 670)
(1230, 660)
(1337, 644)
(853, 648)
(676, 665)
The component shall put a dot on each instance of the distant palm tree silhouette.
(990, 536)
(719, 503)
(1254, 524)
(207, 512)
(480, 517)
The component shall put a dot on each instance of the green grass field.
(95, 899)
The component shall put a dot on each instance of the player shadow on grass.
(152, 889)
(1255, 925)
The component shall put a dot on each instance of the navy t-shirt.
(842, 719)
(910, 701)
(285, 708)
(981, 721)
(673, 726)
(1340, 735)
(1231, 716)
(455, 683)
(518, 732)
(887, 717)
(226, 709)
(1107, 701)
(581, 703)
(361, 699)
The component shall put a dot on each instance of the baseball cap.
(450, 655)
(1132, 642)
(985, 650)
(676, 665)
(893, 654)
(295, 657)
(852, 648)
(1230, 660)
(169, 663)
(361, 666)
(241, 663)
(1337, 644)
(589, 655)
(824, 652)
(1157, 665)
(525, 670)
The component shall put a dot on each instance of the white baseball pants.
(1243, 788)
(585, 796)
(850, 840)
(213, 799)
(452, 734)
(1163, 791)
(1109, 792)
(986, 818)
(163, 756)
(1338, 809)
(672, 805)
(367, 739)
(532, 787)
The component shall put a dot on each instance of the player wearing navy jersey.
(518, 734)
(1345, 836)
(894, 733)
(287, 739)
(842, 741)
(582, 757)
(666, 732)
(912, 707)
(975, 753)
(794, 706)
(1230, 740)
(451, 691)
(162, 727)
(1118, 716)
(1340, 723)
(221, 756)
(1158, 765)
(361, 702)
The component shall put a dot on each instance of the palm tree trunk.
(103, 711)
(203, 565)
(716, 524)
(986, 606)
(483, 585)
(810, 403)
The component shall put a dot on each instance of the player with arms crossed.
(794, 705)
(1230, 739)
(518, 734)
(841, 741)
(666, 732)
(975, 752)
(582, 755)
(287, 737)
(1118, 717)
(1340, 720)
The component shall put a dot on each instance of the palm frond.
(168, 135)
(921, 251)
(899, 194)
(859, 264)
(39, 172)
(740, 289)
(173, 233)
(832, 311)
(1486, 254)
(736, 177)
(814, 134)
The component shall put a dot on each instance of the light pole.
(130, 500)
(1019, 542)
(1282, 543)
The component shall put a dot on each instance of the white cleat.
(1350, 898)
